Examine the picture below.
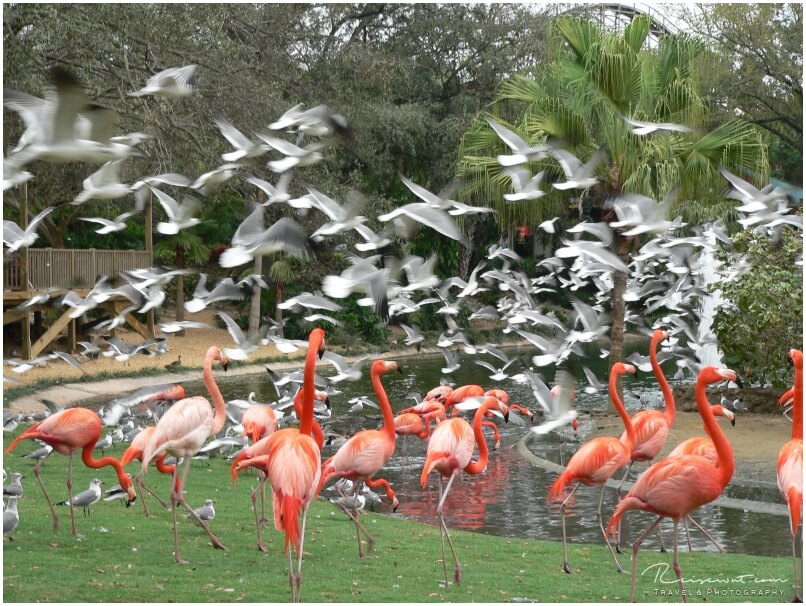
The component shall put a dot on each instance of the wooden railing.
(68, 267)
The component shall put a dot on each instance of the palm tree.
(280, 273)
(182, 249)
(580, 99)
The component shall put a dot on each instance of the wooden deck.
(35, 270)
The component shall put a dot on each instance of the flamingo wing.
(182, 429)
(651, 431)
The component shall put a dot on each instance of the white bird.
(14, 488)
(172, 82)
(499, 374)
(171, 327)
(224, 290)
(295, 156)
(646, 128)
(205, 183)
(407, 217)
(65, 126)
(206, 512)
(11, 517)
(142, 191)
(317, 121)
(342, 218)
(244, 345)
(451, 361)
(86, 498)
(244, 148)
(344, 370)
(578, 175)
(252, 240)
(103, 184)
(523, 152)
(15, 238)
(556, 403)
(13, 175)
(109, 225)
(548, 225)
(526, 186)
(413, 336)
(642, 214)
(278, 193)
(180, 216)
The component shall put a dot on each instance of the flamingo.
(293, 466)
(450, 450)
(790, 462)
(650, 427)
(674, 487)
(702, 446)
(463, 393)
(363, 455)
(258, 422)
(135, 453)
(67, 431)
(595, 462)
(181, 431)
(411, 424)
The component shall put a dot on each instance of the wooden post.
(25, 323)
(71, 336)
(149, 233)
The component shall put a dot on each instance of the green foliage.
(764, 317)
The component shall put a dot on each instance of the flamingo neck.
(215, 393)
(388, 416)
(724, 450)
(475, 468)
(665, 388)
(316, 431)
(613, 385)
(89, 461)
(797, 404)
(308, 386)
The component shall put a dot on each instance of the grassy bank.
(127, 557)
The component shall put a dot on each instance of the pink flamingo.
(411, 424)
(293, 466)
(702, 446)
(650, 427)
(363, 455)
(67, 431)
(595, 462)
(135, 453)
(181, 432)
(675, 487)
(790, 462)
(450, 450)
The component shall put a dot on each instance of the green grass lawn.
(126, 557)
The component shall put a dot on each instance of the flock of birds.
(665, 275)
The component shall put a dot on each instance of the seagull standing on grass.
(87, 498)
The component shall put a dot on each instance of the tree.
(763, 317)
(756, 70)
(581, 98)
(182, 249)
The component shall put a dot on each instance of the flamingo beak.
(733, 421)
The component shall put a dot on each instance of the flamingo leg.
(175, 488)
(70, 493)
(676, 565)
(618, 495)
(566, 566)
(688, 533)
(253, 496)
(181, 496)
(405, 454)
(457, 575)
(53, 513)
(291, 578)
(604, 534)
(442, 538)
(793, 533)
(139, 483)
(264, 521)
(660, 538)
(705, 532)
(301, 545)
(358, 526)
(153, 494)
(635, 547)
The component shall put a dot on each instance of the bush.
(763, 318)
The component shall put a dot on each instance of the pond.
(509, 499)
